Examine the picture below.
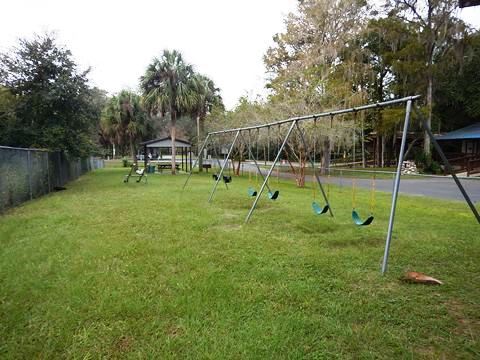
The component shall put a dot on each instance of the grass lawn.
(107, 269)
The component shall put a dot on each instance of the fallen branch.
(419, 278)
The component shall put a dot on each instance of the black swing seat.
(226, 179)
(274, 195)
(358, 221)
(252, 192)
(318, 210)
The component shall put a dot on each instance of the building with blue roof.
(464, 141)
(462, 148)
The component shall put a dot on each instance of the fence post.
(48, 171)
(29, 166)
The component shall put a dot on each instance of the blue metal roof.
(469, 132)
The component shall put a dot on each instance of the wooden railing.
(465, 163)
(473, 166)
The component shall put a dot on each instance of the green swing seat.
(273, 195)
(358, 221)
(318, 210)
(252, 192)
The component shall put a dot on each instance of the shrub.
(427, 164)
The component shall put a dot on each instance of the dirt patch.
(230, 227)
(175, 331)
(122, 345)
(431, 353)
(358, 242)
(465, 325)
(228, 215)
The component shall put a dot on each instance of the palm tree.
(207, 96)
(125, 121)
(168, 88)
(133, 119)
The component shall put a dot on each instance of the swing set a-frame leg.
(264, 184)
(200, 153)
(225, 163)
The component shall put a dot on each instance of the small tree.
(54, 108)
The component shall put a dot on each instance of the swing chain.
(353, 193)
(314, 186)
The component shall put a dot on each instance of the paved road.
(431, 187)
(436, 187)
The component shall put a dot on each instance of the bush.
(125, 162)
(427, 164)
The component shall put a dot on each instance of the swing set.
(294, 124)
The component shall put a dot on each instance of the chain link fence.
(27, 174)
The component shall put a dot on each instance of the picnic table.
(161, 166)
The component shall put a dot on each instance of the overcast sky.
(223, 39)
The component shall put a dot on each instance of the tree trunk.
(394, 145)
(132, 151)
(383, 151)
(426, 143)
(173, 135)
(199, 143)
(301, 178)
(326, 150)
(298, 175)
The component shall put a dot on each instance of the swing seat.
(252, 192)
(274, 195)
(226, 179)
(318, 210)
(356, 219)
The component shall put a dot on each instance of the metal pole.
(254, 205)
(196, 160)
(223, 166)
(255, 162)
(325, 114)
(314, 170)
(448, 166)
(396, 187)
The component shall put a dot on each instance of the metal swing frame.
(408, 101)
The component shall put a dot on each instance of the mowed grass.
(107, 269)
